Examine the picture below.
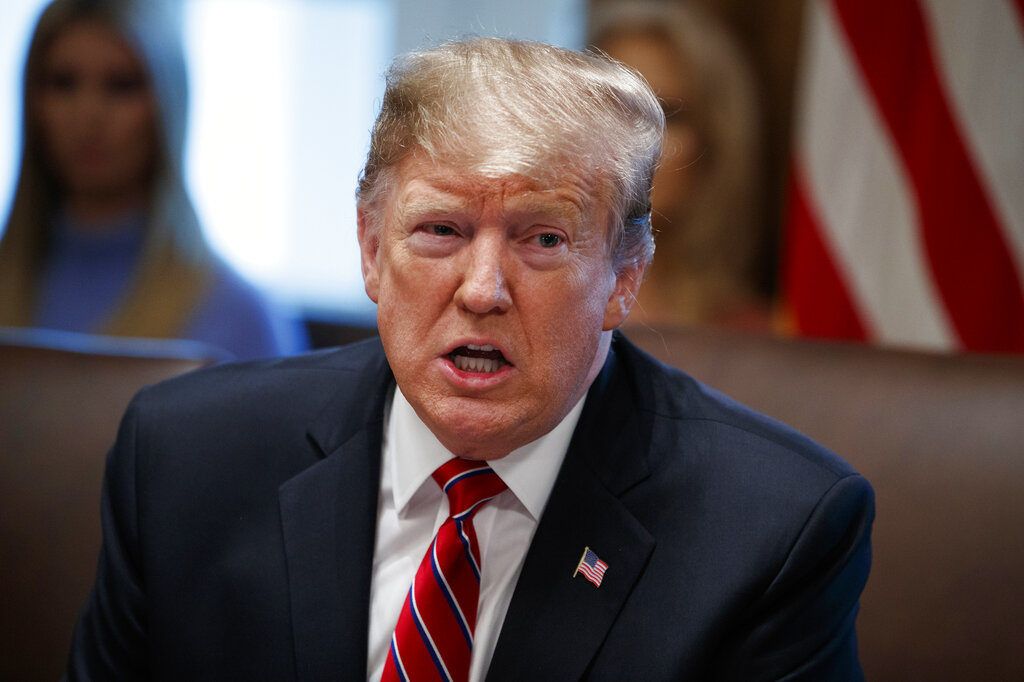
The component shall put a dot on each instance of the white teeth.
(480, 365)
(473, 346)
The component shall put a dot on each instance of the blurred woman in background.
(707, 190)
(102, 236)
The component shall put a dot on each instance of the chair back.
(941, 438)
(59, 412)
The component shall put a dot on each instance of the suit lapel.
(328, 517)
(556, 623)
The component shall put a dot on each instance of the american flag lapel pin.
(591, 567)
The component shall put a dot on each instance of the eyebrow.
(434, 200)
(550, 202)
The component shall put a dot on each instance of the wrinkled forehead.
(422, 185)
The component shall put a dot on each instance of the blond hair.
(174, 270)
(716, 240)
(503, 107)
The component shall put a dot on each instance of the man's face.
(495, 297)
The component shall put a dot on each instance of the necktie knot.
(468, 484)
(433, 638)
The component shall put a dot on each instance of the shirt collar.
(528, 471)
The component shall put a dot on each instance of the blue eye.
(549, 240)
(441, 230)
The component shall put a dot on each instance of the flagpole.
(580, 562)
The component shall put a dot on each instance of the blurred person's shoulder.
(237, 316)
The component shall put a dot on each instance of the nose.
(484, 286)
(89, 106)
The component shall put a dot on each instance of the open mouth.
(484, 359)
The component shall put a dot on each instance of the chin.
(475, 431)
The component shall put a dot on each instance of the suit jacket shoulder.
(238, 513)
(737, 547)
(238, 519)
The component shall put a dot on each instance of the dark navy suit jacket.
(239, 510)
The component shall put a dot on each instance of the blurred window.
(283, 96)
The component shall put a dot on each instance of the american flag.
(906, 219)
(591, 567)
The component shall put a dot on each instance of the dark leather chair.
(61, 399)
(941, 438)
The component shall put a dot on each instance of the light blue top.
(86, 273)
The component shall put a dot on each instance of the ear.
(623, 296)
(369, 244)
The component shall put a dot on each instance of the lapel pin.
(591, 567)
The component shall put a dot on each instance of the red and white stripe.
(906, 220)
(595, 573)
(433, 637)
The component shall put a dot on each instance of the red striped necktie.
(434, 635)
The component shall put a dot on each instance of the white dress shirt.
(411, 508)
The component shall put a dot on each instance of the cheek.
(411, 291)
(572, 331)
(572, 306)
(134, 126)
(402, 277)
(52, 120)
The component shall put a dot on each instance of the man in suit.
(301, 518)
